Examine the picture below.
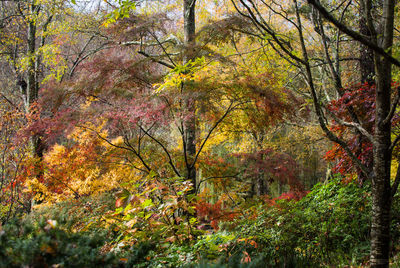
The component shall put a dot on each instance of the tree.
(190, 125)
(381, 28)
(117, 85)
(42, 43)
(195, 89)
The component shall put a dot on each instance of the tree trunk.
(190, 106)
(260, 185)
(381, 191)
(31, 93)
(367, 70)
(32, 87)
(367, 74)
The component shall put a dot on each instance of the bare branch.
(77, 60)
(156, 60)
(164, 149)
(171, 39)
(355, 35)
(264, 27)
(163, 48)
(394, 143)
(318, 109)
(352, 124)
(129, 148)
(393, 108)
(230, 108)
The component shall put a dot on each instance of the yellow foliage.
(87, 166)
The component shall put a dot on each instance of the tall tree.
(189, 18)
(381, 42)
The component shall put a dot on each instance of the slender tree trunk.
(190, 106)
(367, 70)
(32, 87)
(367, 74)
(261, 185)
(381, 191)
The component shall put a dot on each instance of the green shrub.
(45, 245)
(77, 214)
(329, 226)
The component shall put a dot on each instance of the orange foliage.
(214, 213)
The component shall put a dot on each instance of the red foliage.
(275, 165)
(291, 195)
(48, 125)
(272, 105)
(119, 86)
(213, 213)
(361, 97)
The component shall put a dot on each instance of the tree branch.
(317, 106)
(164, 149)
(352, 124)
(396, 181)
(266, 29)
(156, 60)
(129, 148)
(396, 140)
(210, 132)
(355, 35)
(215, 177)
(393, 108)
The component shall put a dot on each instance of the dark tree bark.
(381, 191)
(190, 106)
(260, 186)
(32, 86)
(367, 69)
(367, 74)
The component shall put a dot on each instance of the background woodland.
(184, 133)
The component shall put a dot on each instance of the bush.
(45, 245)
(76, 214)
(329, 226)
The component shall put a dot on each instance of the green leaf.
(147, 203)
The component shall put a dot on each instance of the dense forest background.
(184, 133)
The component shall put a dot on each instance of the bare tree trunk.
(367, 74)
(261, 185)
(381, 191)
(190, 106)
(367, 70)
(32, 87)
